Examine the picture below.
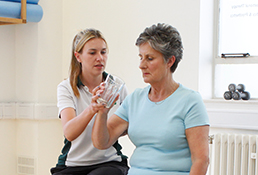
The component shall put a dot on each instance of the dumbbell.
(232, 88)
(240, 87)
(241, 95)
(238, 92)
(228, 95)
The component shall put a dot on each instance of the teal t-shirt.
(158, 130)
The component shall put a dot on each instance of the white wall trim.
(233, 114)
(34, 111)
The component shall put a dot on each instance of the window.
(236, 33)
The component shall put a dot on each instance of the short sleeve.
(64, 97)
(122, 111)
(196, 114)
(123, 93)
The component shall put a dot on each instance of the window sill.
(248, 60)
(233, 114)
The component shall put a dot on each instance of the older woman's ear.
(171, 61)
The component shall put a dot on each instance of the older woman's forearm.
(100, 133)
(200, 166)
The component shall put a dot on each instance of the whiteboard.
(238, 27)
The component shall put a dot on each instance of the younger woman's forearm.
(74, 127)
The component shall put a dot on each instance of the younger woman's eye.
(103, 52)
(92, 53)
(149, 58)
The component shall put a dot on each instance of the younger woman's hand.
(101, 107)
(96, 92)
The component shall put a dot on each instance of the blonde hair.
(78, 42)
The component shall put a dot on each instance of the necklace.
(162, 101)
(159, 102)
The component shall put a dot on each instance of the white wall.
(7, 66)
(206, 48)
(35, 57)
(30, 69)
(121, 22)
(7, 79)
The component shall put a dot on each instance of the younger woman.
(79, 156)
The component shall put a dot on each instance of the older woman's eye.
(149, 58)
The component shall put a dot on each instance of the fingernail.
(98, 86)
(98, 95)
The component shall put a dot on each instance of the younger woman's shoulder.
(65, 82)
(64, 86)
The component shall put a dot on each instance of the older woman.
(79, 156)
(166, 121)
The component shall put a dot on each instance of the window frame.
(217, 59)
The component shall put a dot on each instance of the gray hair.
(165, 39)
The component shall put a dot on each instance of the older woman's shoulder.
(141, 90)
(185, 91)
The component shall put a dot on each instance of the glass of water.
(113, 86)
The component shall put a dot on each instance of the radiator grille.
(233, 154)
(25, 165)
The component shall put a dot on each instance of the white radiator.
(233, 154)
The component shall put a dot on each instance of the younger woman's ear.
(77, 56)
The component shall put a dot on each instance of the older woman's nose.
(141, 64)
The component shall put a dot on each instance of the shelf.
(22, 20)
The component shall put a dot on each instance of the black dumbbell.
(241, 95)
(228, 95)
(240, 87)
